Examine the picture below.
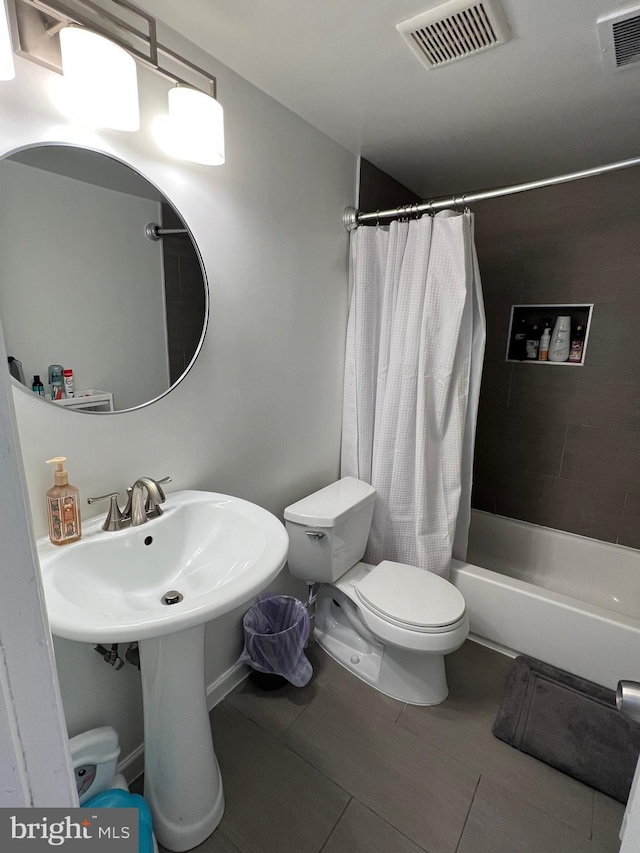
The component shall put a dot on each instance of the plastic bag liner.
(276, 630)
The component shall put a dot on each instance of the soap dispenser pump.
(63, 506)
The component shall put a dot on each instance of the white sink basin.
(217, 551)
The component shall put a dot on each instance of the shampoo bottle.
(577, 345)
(63, 506)
(36, 386)
(543, 353)
(533, 342)
(560, 340)
(67, 378)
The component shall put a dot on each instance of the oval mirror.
(84, 287)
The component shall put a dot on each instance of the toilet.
(391, 624)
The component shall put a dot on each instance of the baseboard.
(483, 641)
(132, 765)
(227, 682)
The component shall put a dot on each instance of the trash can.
(276, 630)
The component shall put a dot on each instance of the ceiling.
(539, 105)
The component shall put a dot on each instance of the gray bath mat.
(571, 724)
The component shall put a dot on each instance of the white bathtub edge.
(516, 617)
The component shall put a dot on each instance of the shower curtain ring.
(430, 210)
(377, 218)
(458, 202)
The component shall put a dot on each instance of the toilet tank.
(328, 530)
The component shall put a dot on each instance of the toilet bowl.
(391, 624)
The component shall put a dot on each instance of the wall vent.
(620, 38)
(454, 30)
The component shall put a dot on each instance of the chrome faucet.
(143, 502)
(146, 497)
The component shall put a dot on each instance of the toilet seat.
(411, 598)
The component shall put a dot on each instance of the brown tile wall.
(185, 295)
(379, 191)
(560, 446)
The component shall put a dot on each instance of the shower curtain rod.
(155, 232)
(352, 218)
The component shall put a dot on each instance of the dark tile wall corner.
(560, 446)
(379, 191)
(184, 294)
(557, 446)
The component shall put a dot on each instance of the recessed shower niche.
(532, 329)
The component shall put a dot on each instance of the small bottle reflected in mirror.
(36, 386)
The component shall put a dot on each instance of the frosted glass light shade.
(7, 70)
(100, 79)
(195, 130)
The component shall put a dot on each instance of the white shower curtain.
(415, 344)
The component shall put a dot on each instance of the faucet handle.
(115, 520)
(127, 510)
(152, 509)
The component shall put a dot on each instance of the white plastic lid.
(411, 595)
(95, 746)
(332, 504)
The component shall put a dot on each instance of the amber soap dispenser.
(63, 506)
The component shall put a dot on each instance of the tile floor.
(337, 767)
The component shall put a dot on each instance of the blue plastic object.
(115, 798)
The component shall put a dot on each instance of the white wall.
(35, 766)
(92, 296)
(259, 414)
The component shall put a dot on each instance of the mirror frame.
(207, 301)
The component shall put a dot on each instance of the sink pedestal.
(182, 782)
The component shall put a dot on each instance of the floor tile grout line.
(286, 729)
(332, 688)
(468, 812)
(391, 826)
(400, 713)
(494, 781)
(333, 828)
(316, 769)
(353, 797)
(405, 731)
(589, 811)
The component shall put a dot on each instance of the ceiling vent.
(454, 30)
(620, 38)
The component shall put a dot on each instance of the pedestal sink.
(159, 584)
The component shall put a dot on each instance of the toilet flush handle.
(316, 535)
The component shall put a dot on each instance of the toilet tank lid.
(331, 505)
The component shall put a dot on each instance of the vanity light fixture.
(114, 34)
(7, 70)
(100, 80)
(194, 129)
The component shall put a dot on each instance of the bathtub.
(564, 599)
